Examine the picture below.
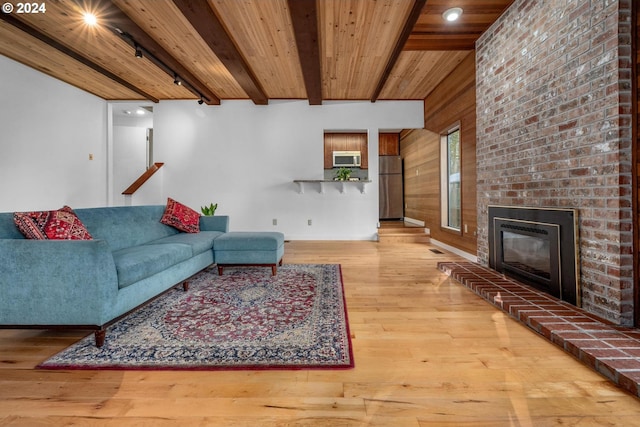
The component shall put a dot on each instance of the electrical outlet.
(309, 222)
(275, 221)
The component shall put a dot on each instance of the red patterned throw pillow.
(181, 217)
(62, 224)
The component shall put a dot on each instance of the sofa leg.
(274, 268)
(100, 334)
(220, 270)
(185, 286)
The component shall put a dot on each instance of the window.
(450, 180)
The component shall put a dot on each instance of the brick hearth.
(613, 351)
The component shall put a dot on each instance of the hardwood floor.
(428, 352)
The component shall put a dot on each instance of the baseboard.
(466, 255)
(414, 221)
(329, 237)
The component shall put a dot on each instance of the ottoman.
(249, 248)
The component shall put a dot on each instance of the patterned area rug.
(245, 319)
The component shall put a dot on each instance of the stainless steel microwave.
(346, 159)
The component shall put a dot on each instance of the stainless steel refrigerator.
(391, 187)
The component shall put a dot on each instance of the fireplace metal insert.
(538, 247)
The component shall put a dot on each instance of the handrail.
(143, 178)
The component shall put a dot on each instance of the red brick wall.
(554, 130)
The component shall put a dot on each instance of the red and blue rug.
(244, 319)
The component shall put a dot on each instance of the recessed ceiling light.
(127, 112)
(90, 19)
(140, 112)
(452, 14)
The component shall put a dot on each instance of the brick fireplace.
(554, 130)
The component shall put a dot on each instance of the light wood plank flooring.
(428, 352)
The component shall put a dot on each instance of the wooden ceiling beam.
(10, 19)
(126, 28)
(304, 17)
(418, 5)
(206, 23)
(441, 41)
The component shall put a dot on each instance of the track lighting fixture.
(141, 52)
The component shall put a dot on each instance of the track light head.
(176, 80)
(138, 52)
(200, 101)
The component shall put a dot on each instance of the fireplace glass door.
(529, 251)
(529, 254)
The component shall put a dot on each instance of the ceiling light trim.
(452, 14)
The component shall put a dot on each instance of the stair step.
(402, 234)
(398, 238)
(401, 230)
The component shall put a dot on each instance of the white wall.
(129, 154)
(245, 157)
(49, 128)
(242, 156)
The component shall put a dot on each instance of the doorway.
(131, 146)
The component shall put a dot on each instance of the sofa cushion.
(181, 217)
(8, 228)
(249, 241)
(126, 226)
(138, 262)
(61, 224)
(199, 242)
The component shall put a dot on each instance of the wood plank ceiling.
(248, 49)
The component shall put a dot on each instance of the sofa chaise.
(89, 284)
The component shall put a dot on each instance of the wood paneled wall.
(345, 142)
(420, 150)
(453, 101)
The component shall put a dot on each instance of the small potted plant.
(343, 174)
(209, 210)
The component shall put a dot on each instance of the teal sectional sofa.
(90, 284)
